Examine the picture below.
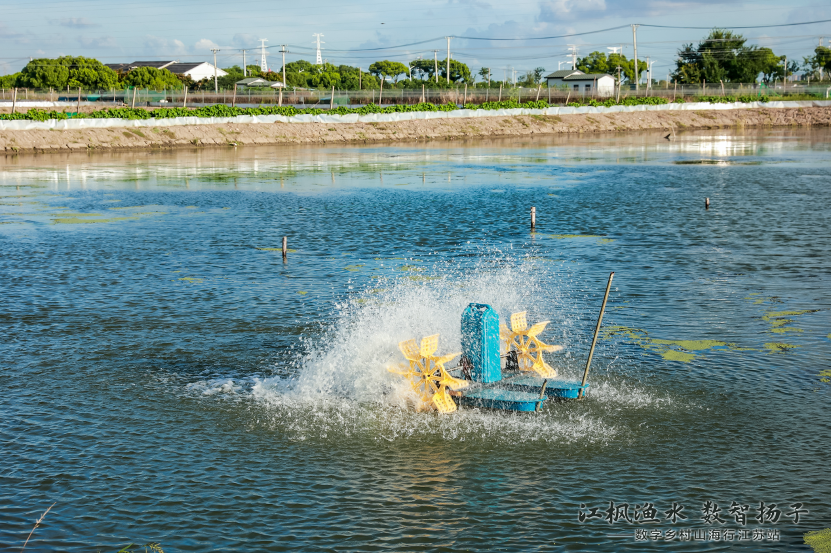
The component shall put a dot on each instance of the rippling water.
(167, 378)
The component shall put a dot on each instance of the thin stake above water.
(595, 336)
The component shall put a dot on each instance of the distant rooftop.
(563, 73)
(586, 76)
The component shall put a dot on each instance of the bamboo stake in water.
(595, 336)
(533, 216)
(284, 248)
(542, 395)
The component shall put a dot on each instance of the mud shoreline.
(242, 134)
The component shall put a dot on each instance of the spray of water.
(342, 387)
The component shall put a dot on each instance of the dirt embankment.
(238, 134)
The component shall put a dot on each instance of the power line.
(748, 27)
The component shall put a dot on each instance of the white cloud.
(74, 22)
(205, 44)
(555, 10)
(245, 40)
(164, 47)
(98, 42)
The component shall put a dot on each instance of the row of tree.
(721, 56)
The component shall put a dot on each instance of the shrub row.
(222, 110)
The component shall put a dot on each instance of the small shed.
(556, 78)
(601, 84)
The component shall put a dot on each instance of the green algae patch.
(290, 250)
(191, 279)
(354, 267)
(778, 347)
(302, 292)
(674, 350)
(820, 541)
(777, 315)
(77, 220)
(692, 344)
(559, 237)
(77, 214)
(785, 330)
(676, 356)
(605, 241)
(825, 375)
(411, 268)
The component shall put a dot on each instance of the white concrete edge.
(64, 124)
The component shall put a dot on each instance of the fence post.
(14, 100)
(234, 97)
(185, 98)
(78, 109)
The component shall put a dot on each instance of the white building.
(196, 71)
(600, 84)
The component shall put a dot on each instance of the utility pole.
(574, 50)
(215, 50)
(244, 64)
(435, 67)
(283, 51)
(263, 67)
(635, 55)
(448, 68)
(318, 60)
(785, 72)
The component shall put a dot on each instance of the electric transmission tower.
(318, 60)
(263, 66)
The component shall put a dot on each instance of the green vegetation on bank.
(223, 110)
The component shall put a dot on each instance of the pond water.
(168, 379)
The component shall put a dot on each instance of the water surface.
(167, 378)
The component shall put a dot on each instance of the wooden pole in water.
(533, 214)
(284, 248)
(542, 395)
(595, 336)
(707, 203)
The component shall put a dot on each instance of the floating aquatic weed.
(411, 268)
(674, 350)
(825, 375)
(779, 347)
(354, 267)
(191, 279)
(820, 541)
(268, 249)
(76, 220)
(302, 292)
(559, 237)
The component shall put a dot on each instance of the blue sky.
(186, 31)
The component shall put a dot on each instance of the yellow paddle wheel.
(427, 374)
(523, 340)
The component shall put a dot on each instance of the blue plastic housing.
(481, 342)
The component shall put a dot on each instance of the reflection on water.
(169, 378)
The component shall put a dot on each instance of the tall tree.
(818, 62)
(724, 56)
(387, 68)
(599, 62)
(66, 71)
(150, 77)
